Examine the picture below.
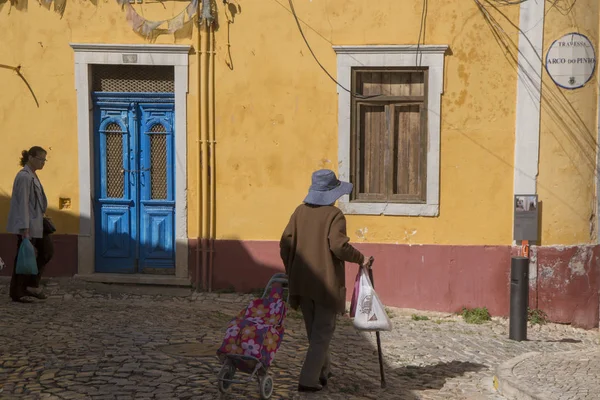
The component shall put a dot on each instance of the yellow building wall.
(42, 51)
(566, 183)
(38, 40)
(276, 114)
(277, 117)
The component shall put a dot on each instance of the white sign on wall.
(571, 61)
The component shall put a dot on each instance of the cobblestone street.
(85, 344)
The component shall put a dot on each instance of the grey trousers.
(320, 325)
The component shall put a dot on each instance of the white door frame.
(88, 54)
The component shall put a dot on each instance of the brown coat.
(314, 246)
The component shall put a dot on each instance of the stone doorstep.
(137, 279)
(130, 279)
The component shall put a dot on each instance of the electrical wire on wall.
(353, 94)
(563, 114)
(563, 9)
(422, 31)
(509, 2)
(422, 28)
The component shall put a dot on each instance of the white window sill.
(411, 210)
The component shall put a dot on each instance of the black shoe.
(323, 380)
(22, 300)
(302, 388)
(39, 295)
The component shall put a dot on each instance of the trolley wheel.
(265, 383)
(227, 372)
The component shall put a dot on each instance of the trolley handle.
(277, 278)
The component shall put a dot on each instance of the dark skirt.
(18, 282)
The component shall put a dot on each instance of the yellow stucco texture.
(566, 182)
(276, 113)
(277, 117)
(38, 40)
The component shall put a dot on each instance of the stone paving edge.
(510, 386)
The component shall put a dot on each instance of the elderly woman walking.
(26, 219)
(314, 247)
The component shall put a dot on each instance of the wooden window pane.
(391, 83)
(407, 84)
(408, 157)
(400, 84)
(370, 148)
(371, 83)
(417, 84)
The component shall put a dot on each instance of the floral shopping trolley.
(253, 338)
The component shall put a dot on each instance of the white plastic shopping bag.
(369, 314)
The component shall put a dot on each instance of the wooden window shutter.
(389, 135)
(409, 153)
(370, 144)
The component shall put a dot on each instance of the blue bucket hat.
(326, 188)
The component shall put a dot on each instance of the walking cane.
(381, 372)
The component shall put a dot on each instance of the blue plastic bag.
(26, 264)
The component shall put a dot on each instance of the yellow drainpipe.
(212, 144)
(202, 175)
(205, 166)
(199, 151)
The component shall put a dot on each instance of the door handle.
(135, 170)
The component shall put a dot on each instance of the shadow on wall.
(442, 278)
(427, 277)
(235, 266)
(64, 262)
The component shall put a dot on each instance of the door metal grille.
(115, 180)
(133, 78)
(158, 162)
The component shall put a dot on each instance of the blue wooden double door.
(134, 183)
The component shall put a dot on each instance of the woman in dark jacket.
(314, 247)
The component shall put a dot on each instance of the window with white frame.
(389, 128)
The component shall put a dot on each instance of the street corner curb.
(509, 385)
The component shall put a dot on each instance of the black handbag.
(49, 227)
